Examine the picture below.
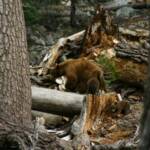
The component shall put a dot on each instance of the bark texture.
(15, 95)
(145, 119)
(73, 13)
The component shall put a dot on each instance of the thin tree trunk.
(73, 13)
(15, 93)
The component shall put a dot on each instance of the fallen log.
(56, 51)
(130, 52)
(56, 102)
(50, 119)
(131, 72)
(135, 6)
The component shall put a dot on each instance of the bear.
(83, 75)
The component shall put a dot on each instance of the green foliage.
(31, 12)
(52, 2)
(32, 9)
(109, 67)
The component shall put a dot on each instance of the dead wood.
(57, 102)
(50, 119)
(131, 72)
(56, 51)
(124, 144)
(99, 31)
(135, 6)
(36, 80)
(134, 31)
(129, 53)
(17, 137)
(98, 119)
(81, 142)
(93, 108)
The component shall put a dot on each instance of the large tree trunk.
(145, 119)
(15, 88)
(15, 95)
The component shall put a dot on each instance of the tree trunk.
(73, 13)
(145, 119)
(16, 131)
(15, 95)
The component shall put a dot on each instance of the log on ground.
(50, 119)
(56, 102)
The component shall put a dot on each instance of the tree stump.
(99, 115)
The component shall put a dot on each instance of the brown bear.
(83, 75)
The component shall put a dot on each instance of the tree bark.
(145, 119)
(50, 119)
(57, 102)
(15, 95)
(16, 131)
(73, 13)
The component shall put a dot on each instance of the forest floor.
(125, 126)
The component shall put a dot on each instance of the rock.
(114, 3)
(125, 12)
(49, 39)
(36, 35)
(37, 53)
(37, 40)
(42, 29)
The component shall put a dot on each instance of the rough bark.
(99, 121)
(50, 119)
(73, 13)
(22, 138)
(145, 119)
(94, 108)
(15, 95)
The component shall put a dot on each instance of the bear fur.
(82, 75)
